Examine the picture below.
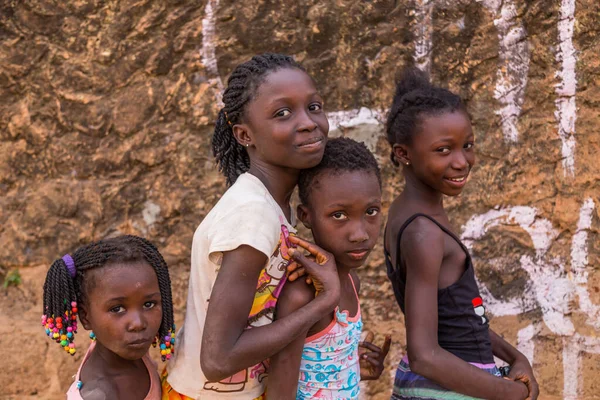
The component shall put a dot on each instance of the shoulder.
(99, 388)
(294, 295)
(422, 232)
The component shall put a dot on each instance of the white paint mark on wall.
(566, 110)
(423, 34)
(573, 347)
(549, 288)
(209, 58)
(150, 213)
(525, 343)
(579, 264)
(513, 68)
(363, 125)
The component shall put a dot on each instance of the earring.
(247, 145)
(408, 163)
(92, 336)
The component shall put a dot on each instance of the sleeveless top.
(154, 393)
(329, 368)
(462, 324)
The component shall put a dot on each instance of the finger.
(369, 337)
(292, 266)
(370, 346)
(320, 254)
(386, 345)
(373, 361)
(297, 274)
(308, 280)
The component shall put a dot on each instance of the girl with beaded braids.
(272, 126)
(121, 291)
(450, 346)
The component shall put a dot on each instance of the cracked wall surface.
(106, 112)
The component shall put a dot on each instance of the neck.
(109, 361)
(280, 182)
(428, 197)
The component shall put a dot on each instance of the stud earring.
(407, 163)
(247, 145)
(92, 336)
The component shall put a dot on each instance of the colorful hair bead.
(167, 344)
(62, 328)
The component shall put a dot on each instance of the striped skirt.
(410, 386)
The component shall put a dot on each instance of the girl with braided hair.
(450, 346)
(121, 291)
(272, 126)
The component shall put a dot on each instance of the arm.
(422, 247)
(227, 347)
(520, 368)
(285, 366)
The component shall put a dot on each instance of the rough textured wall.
(106, 113)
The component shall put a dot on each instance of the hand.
(521, 371)
(321, 267)
(296, 271)
(372, 357)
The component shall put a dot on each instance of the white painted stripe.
(423, 34)
(209, 58)
(513, 66)
(566, 110)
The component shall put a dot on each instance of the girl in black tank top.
(450, 346)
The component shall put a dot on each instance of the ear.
(242, 134)
(401, 153)
(303, 215)
(83, 317)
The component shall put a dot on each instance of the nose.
(358, 233)
(306, 122)
(137, 322)
(460, 161)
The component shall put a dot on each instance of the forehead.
(122, 279)
(448, 125)
(344, 187)
(285, 83)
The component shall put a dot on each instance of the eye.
(469, 146)
(371, 212)
(443, 150)
(117, 310)
(283, 113)
(315, 107)
(339, 216)
(149, 304)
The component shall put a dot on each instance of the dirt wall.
(106, 111)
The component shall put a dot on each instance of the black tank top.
(462, 325)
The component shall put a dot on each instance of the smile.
(457, 182)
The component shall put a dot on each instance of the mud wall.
(106, 113)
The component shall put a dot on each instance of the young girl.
(121, 291)
(341, 205)
(450, 346)
(272, 125)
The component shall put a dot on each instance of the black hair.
(63, 293)
(415, 95)
(242, 85)
(341, 155)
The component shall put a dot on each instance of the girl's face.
(441, 154)
(344, 214)
(285, 124)
(123, 307)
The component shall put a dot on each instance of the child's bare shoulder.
(294, 295)
(422, 231)
(99, 388)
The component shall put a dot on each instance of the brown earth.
(106, 111)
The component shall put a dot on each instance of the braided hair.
(415, 96)
(66, 287)
(242, 85)
(341, 154)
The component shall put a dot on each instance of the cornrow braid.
(242, 85)
(415, 96)
(63, 291)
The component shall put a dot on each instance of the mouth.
(139, 343)
(358, 254)
(457, 181)
(312, 143)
